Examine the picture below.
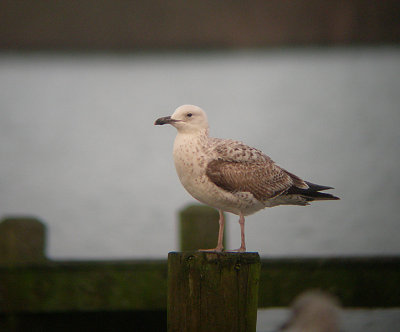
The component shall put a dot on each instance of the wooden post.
(198, 227)
(22, 240)
(212, 291)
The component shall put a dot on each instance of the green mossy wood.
(212, 291)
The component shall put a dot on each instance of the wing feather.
(239, 168)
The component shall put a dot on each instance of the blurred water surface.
(78, 147)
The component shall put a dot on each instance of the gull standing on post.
(231, 176)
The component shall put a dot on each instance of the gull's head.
(186, 119)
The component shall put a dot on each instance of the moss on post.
(212, 291)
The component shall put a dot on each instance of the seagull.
(231, 176)
(313, 311)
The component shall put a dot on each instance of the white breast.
(191, 156)
(190, 162)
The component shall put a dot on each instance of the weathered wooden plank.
(212, 291)
(142, 285)
(356, 281)
(84, 286)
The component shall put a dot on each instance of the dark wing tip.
(313, 192)
(317, 187)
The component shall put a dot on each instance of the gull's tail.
(312, 193)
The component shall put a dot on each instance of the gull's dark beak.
(164, 120)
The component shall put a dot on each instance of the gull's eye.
(189, 115)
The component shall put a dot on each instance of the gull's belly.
(196, 182)
(191, 164)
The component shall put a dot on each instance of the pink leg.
(242, 238)
(220, 246)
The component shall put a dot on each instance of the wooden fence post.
(198, 227)
(212, 291)
(22, 240)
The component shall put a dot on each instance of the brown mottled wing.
(252, 172)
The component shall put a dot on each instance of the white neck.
(194, 133)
